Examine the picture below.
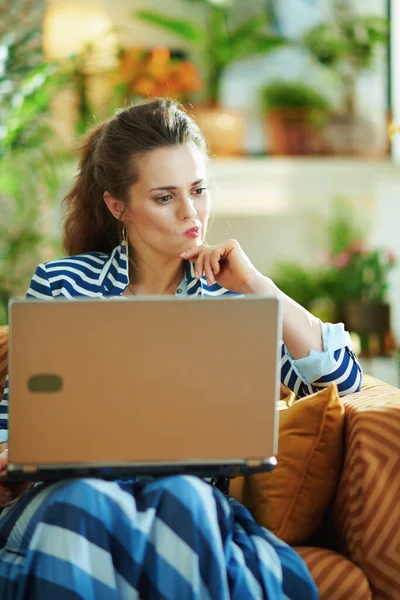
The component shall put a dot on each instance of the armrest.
(366, 514)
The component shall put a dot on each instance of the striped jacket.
(100, 275)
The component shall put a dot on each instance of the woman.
(136, 224)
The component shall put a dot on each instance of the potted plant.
(350, 285)
(295, 113)
(350, 288)
(355, 277)
(357, 280)
(28, 165)
(347, 46)
(221, 42)
(297, 281)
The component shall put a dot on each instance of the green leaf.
(3, 312)
(8, 183)
(30, 163)
(261, 44)
(290, 94)
(220, 50)
(297, 281)
(246, 31)
(326, 43)
(184, 29)
(377, 27)
(343, 226)
(27, 105)
(20, 55)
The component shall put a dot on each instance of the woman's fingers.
(199, 265)
(3, 463)
(206, 260)
(12, 491)
(195, 256)
(215, 258)
(214, 262)
(208, 269)
(6, 494)
(9, 491)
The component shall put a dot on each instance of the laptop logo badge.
(45, 383)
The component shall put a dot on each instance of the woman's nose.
(188, 209)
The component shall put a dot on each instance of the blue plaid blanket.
(175, 538)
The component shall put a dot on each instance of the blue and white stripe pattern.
(99, 275)
(172, 538)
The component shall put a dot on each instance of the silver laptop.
(136, 386)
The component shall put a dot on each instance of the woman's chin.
(191, 243)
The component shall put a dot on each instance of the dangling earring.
(125, 241)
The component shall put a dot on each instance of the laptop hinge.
(254, 462)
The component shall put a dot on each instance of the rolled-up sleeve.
(336, 363)
(3, 435)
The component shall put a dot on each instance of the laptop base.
(18, 475)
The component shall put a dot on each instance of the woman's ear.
(116, 207)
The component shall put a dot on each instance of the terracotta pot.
(223, 128)
(292, 133)
(371, 321)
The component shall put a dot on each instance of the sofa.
(357, 556)
(361, 560)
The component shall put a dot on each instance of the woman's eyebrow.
(173, 187)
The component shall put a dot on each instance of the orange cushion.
(292, 500)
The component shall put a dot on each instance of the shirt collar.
(114, 276)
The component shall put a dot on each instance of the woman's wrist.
(260, 285)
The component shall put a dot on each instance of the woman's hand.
(227, 265)
(9, 492)
(5, 492)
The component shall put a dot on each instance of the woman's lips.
(194, 232)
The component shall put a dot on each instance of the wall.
(395, 70)
(278, 208)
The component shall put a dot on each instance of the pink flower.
(358, 247)
(325, 257)
(390, 256)
(341, 260)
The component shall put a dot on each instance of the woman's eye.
(164, 199)
(200, 191)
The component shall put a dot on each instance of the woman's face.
(169, 206)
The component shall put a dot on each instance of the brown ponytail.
(107, 164)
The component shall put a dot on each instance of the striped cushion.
(3, 357)
(367, 505)
(336, 577)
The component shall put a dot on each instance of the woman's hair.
(107, 163)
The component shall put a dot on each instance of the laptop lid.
(143, 381)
